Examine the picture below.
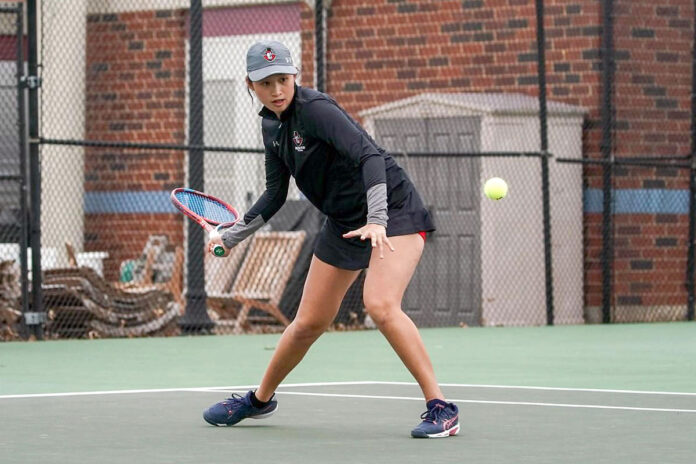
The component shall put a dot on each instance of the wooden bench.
(261, 280)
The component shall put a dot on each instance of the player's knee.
(307, 330)
(380, 309)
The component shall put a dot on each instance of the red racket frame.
(208, 225)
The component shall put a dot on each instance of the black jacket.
(333, 160)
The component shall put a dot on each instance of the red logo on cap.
(269, 55)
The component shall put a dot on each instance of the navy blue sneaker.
(442, 420)
(236, 408)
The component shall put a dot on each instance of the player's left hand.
(377, 235)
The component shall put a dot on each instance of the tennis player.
(375, 220)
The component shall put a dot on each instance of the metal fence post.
(196, 317)
(607, 152)
(692, 233)
(543, 127)
(692, 188)
(34, 319)
(23, 181)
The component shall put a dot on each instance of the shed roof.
(484, 103)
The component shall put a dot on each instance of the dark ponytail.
(248, 81)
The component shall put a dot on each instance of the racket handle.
(218, 250)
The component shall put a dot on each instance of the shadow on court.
(353, 423)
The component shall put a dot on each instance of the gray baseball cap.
(267, 58)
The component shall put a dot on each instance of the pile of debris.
(10, 292)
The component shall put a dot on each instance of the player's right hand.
(215, 239)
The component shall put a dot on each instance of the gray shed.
(485, 263)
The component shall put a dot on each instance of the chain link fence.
(654, 119)
(638, 199)
(140, 97)
(13, 212)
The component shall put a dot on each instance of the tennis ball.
(495, 188)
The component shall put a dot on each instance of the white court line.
(167, 390)
(326, 384)
(472, 385)
(519, 387)
(89, 393)
(513, 403)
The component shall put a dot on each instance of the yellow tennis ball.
(495, 188)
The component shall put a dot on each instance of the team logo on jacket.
(297, 140)
(269, 55)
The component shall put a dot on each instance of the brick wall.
(653, 46)
(379, 51)
(653, 77)
(136, 79)
(307, 20)
(136, 76)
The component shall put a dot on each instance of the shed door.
(446, 289)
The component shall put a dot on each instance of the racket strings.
(206, 207)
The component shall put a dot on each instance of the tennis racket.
(211, 213)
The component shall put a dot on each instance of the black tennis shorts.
(409, 217)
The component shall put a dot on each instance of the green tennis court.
(614, 394)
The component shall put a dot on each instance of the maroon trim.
(223, 22)
(8, 47)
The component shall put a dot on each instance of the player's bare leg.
(385, 284)
(324, 289)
